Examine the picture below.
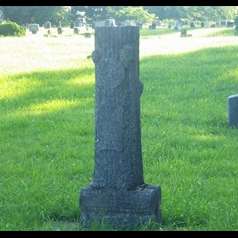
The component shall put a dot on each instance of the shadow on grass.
(51, 86)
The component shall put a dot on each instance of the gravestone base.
(120, 208)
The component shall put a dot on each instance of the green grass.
(226, 32)
(149, 32)
(47, 135)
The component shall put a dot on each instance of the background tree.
(92, 13)
(212, 13)
(138, 14)
(35, 14)
(168, 12)
(40, 14)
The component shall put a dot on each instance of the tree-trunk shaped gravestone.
(118, 194)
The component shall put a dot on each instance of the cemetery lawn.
(226, 32)
(159, 31)
(47, 142)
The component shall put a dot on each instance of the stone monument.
(233, 110)
(34, 28)
(47, 25)
(118, 195)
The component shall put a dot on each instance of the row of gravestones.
(230, 23)
(183, 31)
(34, 28)
(118, 194)
(177, 26)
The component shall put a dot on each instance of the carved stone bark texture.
(118, 173)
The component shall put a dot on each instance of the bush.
(10, 28)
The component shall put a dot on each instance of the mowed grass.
(152, 32)
(47, 143)
(226, 32)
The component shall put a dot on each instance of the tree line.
(67, 14)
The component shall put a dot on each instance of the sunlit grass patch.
(226, 32)
(45, 108)
(12, 88)
(152, 32)
(78, 81)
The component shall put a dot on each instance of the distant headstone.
(47, 25)
(233, 110)
(80, 22)
(177, 26)
(184, 33)
(87, 34)
(59, 28)
(118, 194)
(213, 25)
(107, 22)
(223, 22)
(152, 26)
(236, 25)
(139, 24)
(76, 30)
(230, 23)
(34, 28)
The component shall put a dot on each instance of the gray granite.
(233, 110)
(118, 194)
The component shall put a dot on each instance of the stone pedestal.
(118, 194)
(120, 208)
(233, 111)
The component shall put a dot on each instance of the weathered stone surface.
(118, 194)
(233, 110)
(47, 25)
(120, 208)
(34, 28)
